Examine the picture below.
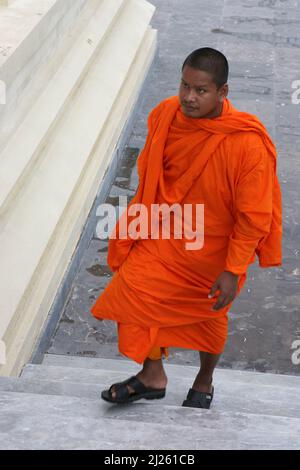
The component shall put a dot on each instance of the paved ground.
(261, 40)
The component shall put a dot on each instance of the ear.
(223, 92)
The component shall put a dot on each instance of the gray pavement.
(261, 40)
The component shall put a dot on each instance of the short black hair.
(211, 61)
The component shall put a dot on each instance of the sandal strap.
(137, 385)
(122, 391)
(202, 397)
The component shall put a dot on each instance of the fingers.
(222, 301)
(213, 290)
(226, 284)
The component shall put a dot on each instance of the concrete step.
(230, 395)
(172, 370)
(30, 421)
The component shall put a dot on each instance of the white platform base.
(53, 161)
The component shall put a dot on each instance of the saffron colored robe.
(159, 292)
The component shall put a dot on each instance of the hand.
(227, 284)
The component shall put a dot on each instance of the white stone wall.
(31, 32)
(72, 77)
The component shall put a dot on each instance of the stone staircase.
(57, 405)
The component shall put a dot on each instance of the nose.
(190, 96)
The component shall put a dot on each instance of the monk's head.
(203, 84)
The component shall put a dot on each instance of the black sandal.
(197, 399)
(124, 396)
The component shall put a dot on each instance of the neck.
(216, 113)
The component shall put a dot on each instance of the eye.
(184, 85)
(200, 91)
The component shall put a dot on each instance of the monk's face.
(198, 94)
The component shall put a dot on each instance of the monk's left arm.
(253, 208)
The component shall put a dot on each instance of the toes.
(131, 391)
(114, 394)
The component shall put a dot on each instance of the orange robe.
(159, 292)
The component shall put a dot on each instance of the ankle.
(204, 379)
(153, 369)
(153, 363)
(153, 379)
(153, 372)
(150, 364)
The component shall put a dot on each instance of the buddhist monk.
(199, 151)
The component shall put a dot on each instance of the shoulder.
(248, 152)
(247, 145)
(246, 140)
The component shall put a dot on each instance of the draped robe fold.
(159, 292)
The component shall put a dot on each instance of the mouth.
(189, 108)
